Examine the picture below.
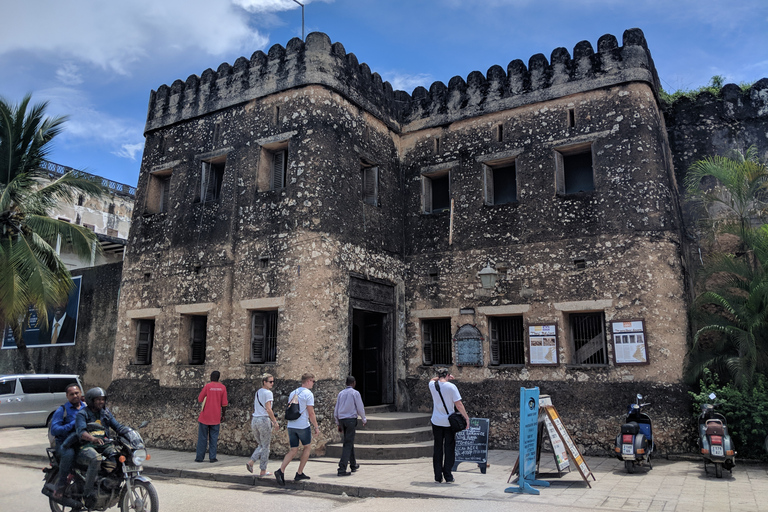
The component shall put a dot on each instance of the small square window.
(263, 337)
(145, 337)
(500, 183)
(587, 331)
(436, 192)
(507, 340)
(436, 341)
(158, 192)
(211, 179)
(574, 170)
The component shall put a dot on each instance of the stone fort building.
(295, 214)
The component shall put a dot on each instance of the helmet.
(94, 393)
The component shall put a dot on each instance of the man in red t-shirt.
(214, 400)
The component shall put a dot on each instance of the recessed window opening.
(277, 114)
(197, 339)
(571, 118)
(507, 340)
(111, 209)
(158, 192)
(580, 263)
(263, 262)
(437, 145)
(147, 277)
(216, 133)
(500, 133)
(436, 339)
(145, 336)
(588, 338)
(370, 177)
(436, 192)
(80, 200)
(263, 337)
(211, 179)
(196, 270)
(500, 183)
(433, 276)
(575, 171)
(78, 219)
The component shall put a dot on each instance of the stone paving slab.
(677, 486)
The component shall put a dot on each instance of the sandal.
(249, 467)
(265, 475)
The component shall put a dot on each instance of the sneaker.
(354, 467)
(449, 480)
(196, 460)
(343, 473)
(280, 477)
(300, 476)
(213, 460)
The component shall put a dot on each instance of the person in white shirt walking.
(299, 430)
(262, 424)
(349, 405)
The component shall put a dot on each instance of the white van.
(30, 400)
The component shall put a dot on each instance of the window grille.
(507, 340)
(436, 337)
(588, 335)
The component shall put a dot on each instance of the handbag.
(455, 419)
(292, 412)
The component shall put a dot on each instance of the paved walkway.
(679, 486)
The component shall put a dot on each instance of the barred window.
(145, 336)
(587, 332)
(507, 340)
(263, 337)
(436, 338)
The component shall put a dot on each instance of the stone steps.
(389, 435)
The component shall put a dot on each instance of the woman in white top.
(262, 423)
(444, 454)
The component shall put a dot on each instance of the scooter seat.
(715, 428)
(630, 428)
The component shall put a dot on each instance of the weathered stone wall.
(92, 355)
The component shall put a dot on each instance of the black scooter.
(715, 444)
(634, 445)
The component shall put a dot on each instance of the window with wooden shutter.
(145, 335)
(371, 185)
(507, 340)
(426, 340)
(574, 171)
(279, 167)
(436, 192)
(211, 179)
(197, 339)
(263, 337)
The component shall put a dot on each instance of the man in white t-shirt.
(263, 422)
(299, 430)
(444, 454)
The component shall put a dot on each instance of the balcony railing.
(56, 170)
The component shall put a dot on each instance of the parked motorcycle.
(715, 444)
(634, 445)
(117, 484)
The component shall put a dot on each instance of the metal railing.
(56, 170)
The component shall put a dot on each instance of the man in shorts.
(299, 430)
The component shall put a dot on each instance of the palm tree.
(31, 272)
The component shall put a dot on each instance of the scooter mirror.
(712, 396)
(639, 396)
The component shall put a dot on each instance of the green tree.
(31, 272)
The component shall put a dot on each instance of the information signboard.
(529, 432)
(472, 443)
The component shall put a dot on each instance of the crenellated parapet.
(733, 104)
(319, 62)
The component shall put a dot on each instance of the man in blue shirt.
(349, 405)
(63, 429)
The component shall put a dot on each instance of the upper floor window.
(273, 166)
(587, 333)
(507, 340)
(211, 179)
(198, 326)
(263, 337)
(436, 191)
(574, 172)
(436, 341)
(145, 337)
(500, 183)
(370, 175)
(158, 192)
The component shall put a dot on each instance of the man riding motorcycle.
(92, 425)
(63, 428)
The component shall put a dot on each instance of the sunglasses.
(270, 382)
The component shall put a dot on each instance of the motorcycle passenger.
(93, 423)
(63, 429)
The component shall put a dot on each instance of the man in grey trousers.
(349, 405)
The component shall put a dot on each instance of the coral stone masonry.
(295, 214)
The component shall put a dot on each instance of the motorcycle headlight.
(139, 456)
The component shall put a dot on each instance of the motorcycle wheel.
(57, 507)
(630, 466)
(144, 498)
(718, 470)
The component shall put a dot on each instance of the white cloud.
(69, 74)
(406, 82)
(271, 5)
(129, 150)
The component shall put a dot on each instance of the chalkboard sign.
(472, 443)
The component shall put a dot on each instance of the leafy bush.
(745, 411)
(714, 86)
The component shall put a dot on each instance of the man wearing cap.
(444, 454)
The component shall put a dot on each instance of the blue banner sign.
(529, 421)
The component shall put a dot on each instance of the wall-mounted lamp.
(488, 277)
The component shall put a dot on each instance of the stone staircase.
(389, 435)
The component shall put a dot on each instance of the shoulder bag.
(292, 412)
(455, 419)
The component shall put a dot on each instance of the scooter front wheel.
(718, 470)
(630, 466)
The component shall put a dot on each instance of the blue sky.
(97, 60)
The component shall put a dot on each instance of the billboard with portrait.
(61, 328)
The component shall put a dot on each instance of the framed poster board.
(629, 342)
(542, 345)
